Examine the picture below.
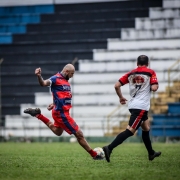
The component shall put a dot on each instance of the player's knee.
(131, 129)
(58, 131)
(146, 128)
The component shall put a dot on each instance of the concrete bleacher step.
(13, 28)
(107, 5)
(48, 68)
(155, 13)
(147, 23)
(17, 98)
(25, 87)
(156, 53)
(105, 88)
(166, 119)
(20, 18)
(5, 38)
(78, 34)
(100, 77)
(84, 75)
(130, 33)
(173, 108)
(90, 24)
(95, 14)
(118, 44)
(68, 54)
(171, 3)
(122, 66)
(26, 9)
(54, 45)
(84, 99)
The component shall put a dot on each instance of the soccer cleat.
(107, 153)
(32, 112)
(156, 154)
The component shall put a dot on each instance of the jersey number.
(138, 87)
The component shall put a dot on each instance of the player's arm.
(117, 87)
(41, 81)
(154, 82)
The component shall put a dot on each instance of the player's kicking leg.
(36, 112)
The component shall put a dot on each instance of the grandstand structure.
(102, 38)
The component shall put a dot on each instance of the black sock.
(147, 142)
(120, 138)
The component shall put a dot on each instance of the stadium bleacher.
(102, 35)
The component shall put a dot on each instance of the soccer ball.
(100, 152)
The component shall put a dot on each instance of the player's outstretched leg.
(36, 112)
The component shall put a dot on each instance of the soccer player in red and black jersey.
(142, 81)
(61, 92)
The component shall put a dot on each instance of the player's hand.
(38, 71)
(154, 87)
(50, 107)
(122, 100)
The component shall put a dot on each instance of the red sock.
(92, 153)
(43, 118)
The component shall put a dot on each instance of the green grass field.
(65, 161)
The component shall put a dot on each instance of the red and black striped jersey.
(61, 91)
(140, 81)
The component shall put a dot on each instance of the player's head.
(68, 71)
(142, 60)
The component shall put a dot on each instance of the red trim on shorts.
(138, 119)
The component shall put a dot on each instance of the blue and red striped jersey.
(61, 91)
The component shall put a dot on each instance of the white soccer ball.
(100, 152)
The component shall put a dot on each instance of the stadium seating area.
(105, 37)
(166, 125)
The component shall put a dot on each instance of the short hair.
(142, 60)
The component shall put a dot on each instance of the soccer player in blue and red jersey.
(142, 81)
(61, 92)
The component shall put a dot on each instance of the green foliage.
(65, 161)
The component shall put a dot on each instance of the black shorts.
(137, 116)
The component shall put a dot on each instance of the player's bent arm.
(154, 87)
(117, 87)
(43, 82)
